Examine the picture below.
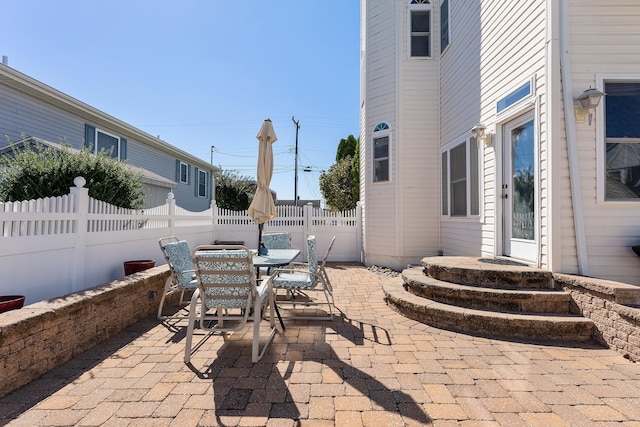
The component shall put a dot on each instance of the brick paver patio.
(368, 367)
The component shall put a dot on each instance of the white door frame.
(525, 114)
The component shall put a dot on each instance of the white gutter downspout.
(572, 149)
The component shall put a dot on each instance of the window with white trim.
(202, 183)
(381, 150)
(461, 179)
(99, 140)
(184, 173)
(420, 28)
(622, 140)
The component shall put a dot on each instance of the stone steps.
(501, 300)
(486, 272)
(531, 301)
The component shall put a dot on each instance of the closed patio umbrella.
(262, 208)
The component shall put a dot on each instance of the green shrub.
(41, 171)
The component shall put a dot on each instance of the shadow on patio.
(301, 373)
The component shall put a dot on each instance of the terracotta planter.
(138, 265)
(11, 302)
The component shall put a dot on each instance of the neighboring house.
(542, 180)
(31, 109)
(156, 187)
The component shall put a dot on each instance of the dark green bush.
(42, 171)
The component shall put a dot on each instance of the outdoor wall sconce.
(480, 133)
(589, 101)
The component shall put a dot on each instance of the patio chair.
(277, 240)
(323, 273)
(182, 279)
(228, 295)
(299, 280)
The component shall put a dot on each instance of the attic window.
(420, 2)
(381, 126)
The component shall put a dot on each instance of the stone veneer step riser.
(491, 324)
(472, 295)
(531, 301)
(486, 273)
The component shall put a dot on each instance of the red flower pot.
(138, 265)
(11, 302)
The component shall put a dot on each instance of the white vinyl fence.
(54, 246)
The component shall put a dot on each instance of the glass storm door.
(519, 189)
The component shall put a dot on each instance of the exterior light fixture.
(480, 133)
(589, 101)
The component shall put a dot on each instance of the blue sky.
(204, 73)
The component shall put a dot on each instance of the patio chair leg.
(190, 327)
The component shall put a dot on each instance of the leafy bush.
(233, 192)
(337, 186)
(41, 171)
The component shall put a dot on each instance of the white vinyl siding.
(380, 199)
(602, 36)
(418, 175)
(484, 65)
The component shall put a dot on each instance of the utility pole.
(295, 182)
(213, 178)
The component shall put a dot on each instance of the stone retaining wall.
(614, 308)
(41, 336)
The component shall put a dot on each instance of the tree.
(340, 186)
(355, 170)
(233, 191)
(347, 147)
(39, 171)
(337, 186)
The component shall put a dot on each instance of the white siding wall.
(380, 201)
(401, 215)
(418, 161)
(604, 40)
(495, 48)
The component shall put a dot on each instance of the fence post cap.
(79, 181)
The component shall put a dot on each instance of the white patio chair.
(299, 280)
(182, 279)
(228, 295)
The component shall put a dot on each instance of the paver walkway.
(369, 366)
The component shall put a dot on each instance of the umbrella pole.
(260, 226)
